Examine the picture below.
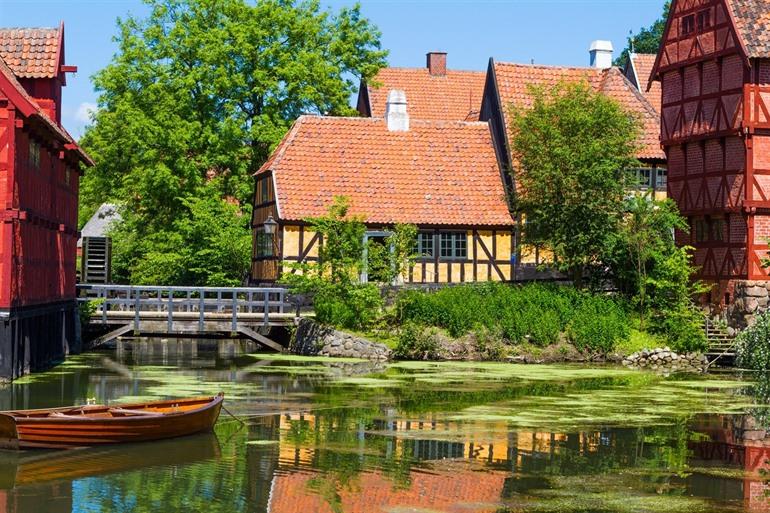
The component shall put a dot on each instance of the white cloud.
(85, 111)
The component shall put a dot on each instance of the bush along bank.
(529, 323)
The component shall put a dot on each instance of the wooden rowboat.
(87, 426)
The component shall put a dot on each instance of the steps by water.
(721, 344)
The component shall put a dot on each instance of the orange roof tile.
(437, 173)
(752, 20)
(450, 97)
(31, 52)
(37, 112)
(643, 63)
(513, 81)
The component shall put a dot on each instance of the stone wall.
(313, 339)
(751, 298)
(666, 361)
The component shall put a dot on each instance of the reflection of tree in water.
(760, 392)
(342, 451)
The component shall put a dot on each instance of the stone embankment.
(751, 299)
(666, 360)
(313, 339)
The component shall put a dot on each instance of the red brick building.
(40, 165)
(714, 70)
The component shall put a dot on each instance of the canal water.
(333, 436)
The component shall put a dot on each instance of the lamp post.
(271, 225)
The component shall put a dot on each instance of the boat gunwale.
(211, 402)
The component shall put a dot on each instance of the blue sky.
(471, 31)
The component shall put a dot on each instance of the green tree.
(646, 237)
(339, 298)
(571, 148)
(647, 40)
(198, 94)
(210, 246)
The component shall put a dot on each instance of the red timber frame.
(715, 128)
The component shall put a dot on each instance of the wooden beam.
(253, 335)
(112, 335)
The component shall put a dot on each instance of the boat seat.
(134, 412)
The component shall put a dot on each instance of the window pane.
(662, 179)
(446, 245)
(461, 245)
(425, 244)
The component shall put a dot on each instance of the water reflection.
(317, 440)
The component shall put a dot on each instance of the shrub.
(682, 328)
(417, 343)
(489, 345)
(351, 307)
(598, 325)
(753, 345)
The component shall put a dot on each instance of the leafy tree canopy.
(572, 148)
(647, 40)
(196, 97)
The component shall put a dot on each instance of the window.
(701, 230)
(454, 245)
(718, 230)
(264, 190)
(641, 177)
(688, 24)
(661, 181)
(704, 20)
(34, 155)
(264, 245)
(425, 245)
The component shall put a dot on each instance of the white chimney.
(395, 112)
(601, 54)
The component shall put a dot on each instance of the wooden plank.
(243, 330)
(112, 335)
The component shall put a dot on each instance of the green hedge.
(753, 345)
(533, 313)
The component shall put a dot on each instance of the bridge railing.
(239, 302)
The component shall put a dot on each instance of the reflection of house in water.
(737, 442)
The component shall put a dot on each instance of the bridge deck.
(174, 311)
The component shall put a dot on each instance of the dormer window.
(704, 20)
(688, 25)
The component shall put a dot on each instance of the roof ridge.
(415, 68)
(643, 99)
(551, 66)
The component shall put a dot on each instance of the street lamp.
(271, 225)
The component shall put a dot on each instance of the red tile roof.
(31, 52)
(437, 173)
(33, 109)
(642, 64)
(450, 97)
(513, 81)
(752, 20)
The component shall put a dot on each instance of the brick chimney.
(395, 112)
(437, 63)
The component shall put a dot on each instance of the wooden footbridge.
(187, 311)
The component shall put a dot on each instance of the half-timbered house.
(442, 176)
(40, 165)
(714, 70)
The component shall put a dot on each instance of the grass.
(639, 340)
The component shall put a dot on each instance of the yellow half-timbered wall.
(488, 256)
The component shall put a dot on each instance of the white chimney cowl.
(601, 54)
(396, 113)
